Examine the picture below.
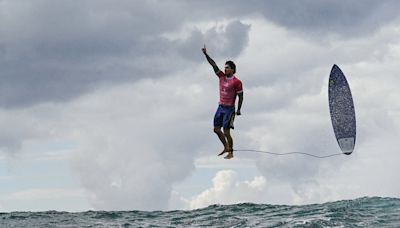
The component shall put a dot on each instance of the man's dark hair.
(231, 65)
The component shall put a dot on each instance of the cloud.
(127, 144)
(57, 52)
(228, 40)
(20, 127)
(129, 157)
(351, 18)
(228, 189)
(130, 167)
(319, 19)
(286, 109)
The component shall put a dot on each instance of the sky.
(109, 105)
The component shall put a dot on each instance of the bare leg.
(222, 138)
(229, 140)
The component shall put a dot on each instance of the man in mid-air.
(229, 87)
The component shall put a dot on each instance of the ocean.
(362, 212)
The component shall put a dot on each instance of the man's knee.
(227, 131)
(217, 130)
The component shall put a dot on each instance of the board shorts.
(224, 116)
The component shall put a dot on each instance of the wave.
(361, 212)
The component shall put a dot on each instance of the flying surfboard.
(341, 107)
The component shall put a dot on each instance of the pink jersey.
(228, 89)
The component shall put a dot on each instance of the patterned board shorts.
(224, 116)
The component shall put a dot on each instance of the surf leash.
(289, 153)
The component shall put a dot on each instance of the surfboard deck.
(342, 111)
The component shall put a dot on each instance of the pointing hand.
(204, 49)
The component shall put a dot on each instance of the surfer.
(229, 87)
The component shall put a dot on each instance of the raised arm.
(210, 60)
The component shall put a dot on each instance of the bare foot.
(229, 156)
(226, 150)
(223, 152)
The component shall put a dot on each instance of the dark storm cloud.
(58, 50)
(347, 18)
(52, 51)
(315, 17)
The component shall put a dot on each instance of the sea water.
(362, 212)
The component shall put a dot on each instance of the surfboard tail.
(342, 112)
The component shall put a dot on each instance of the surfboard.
(342, 111)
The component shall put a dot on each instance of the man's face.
(228, 70)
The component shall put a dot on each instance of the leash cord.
(289, 153)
